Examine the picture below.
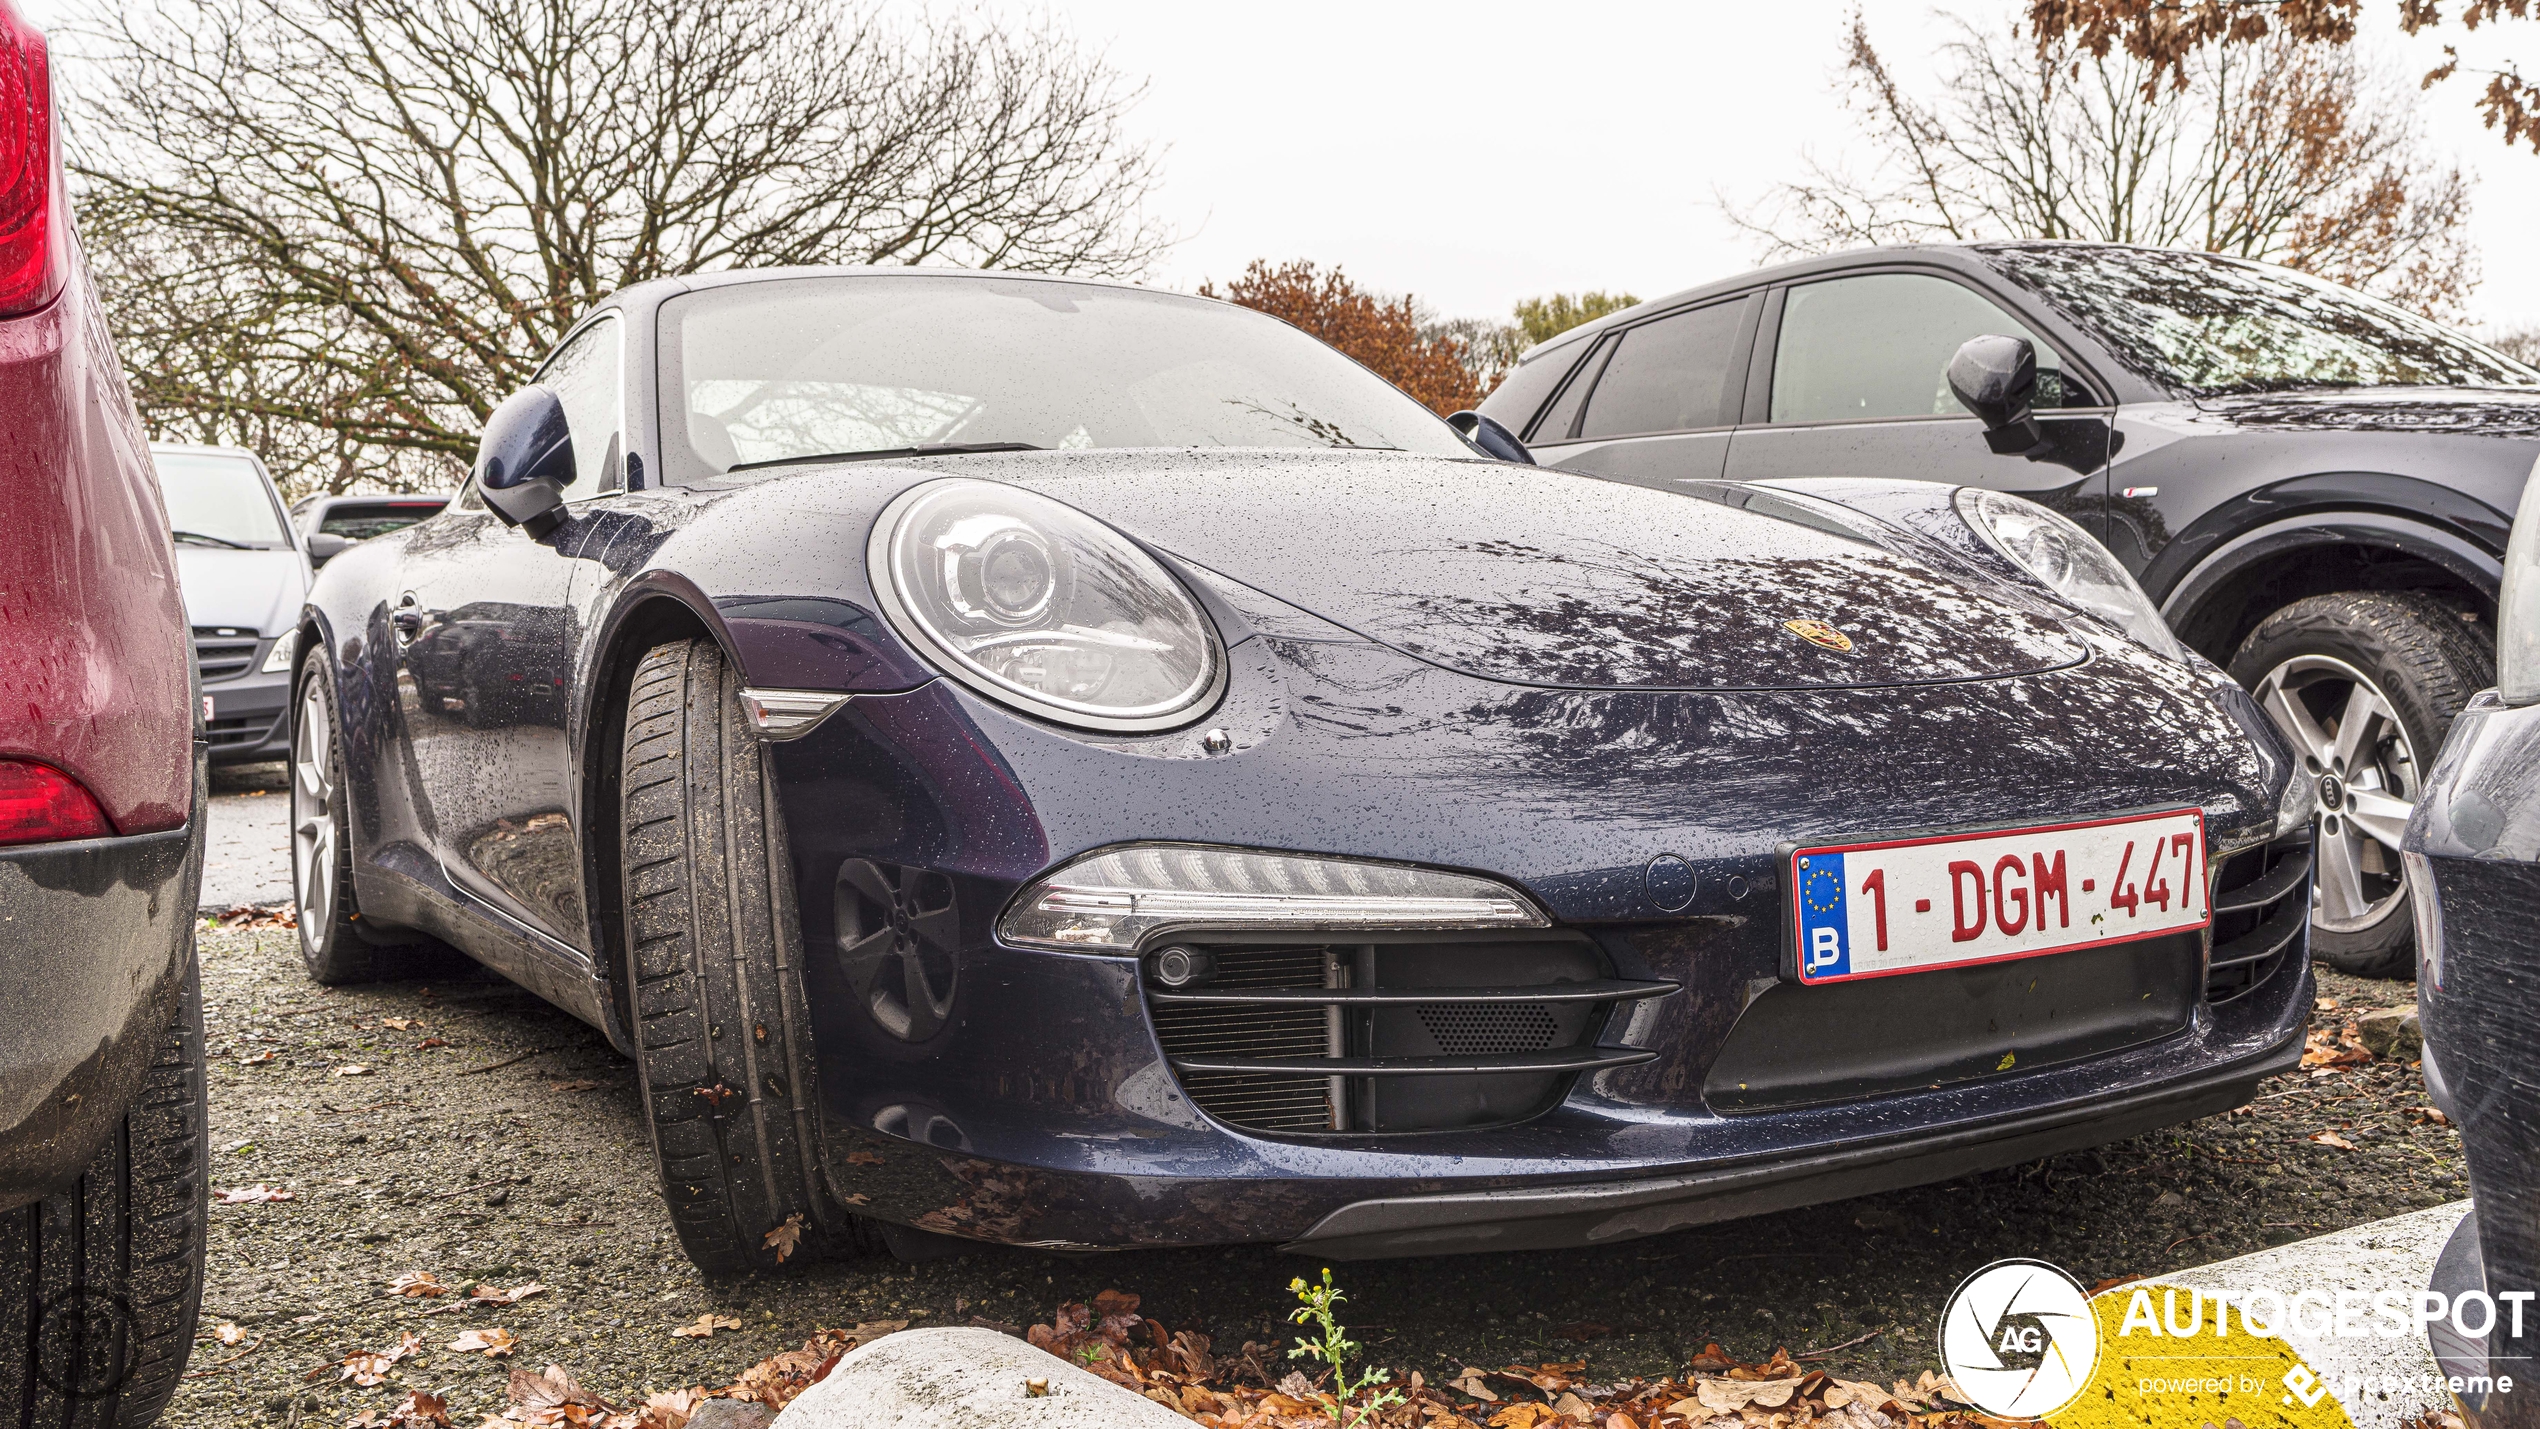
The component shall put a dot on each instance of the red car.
(102, 1153)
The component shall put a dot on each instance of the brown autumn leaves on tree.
(1383, 333)
(2289, 151)
(2166, 36)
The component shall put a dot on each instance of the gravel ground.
(496, 1140)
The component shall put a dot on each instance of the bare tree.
(2288, 151)
(341, 231)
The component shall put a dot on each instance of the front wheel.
(722, 1037)
(2363, 685)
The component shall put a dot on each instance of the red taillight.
(30, 246)
(40, 804)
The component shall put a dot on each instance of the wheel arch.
(655, 610)
(2219, 600)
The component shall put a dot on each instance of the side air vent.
(2262, 904)
(1392, 1036)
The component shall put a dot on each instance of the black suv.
(2316, 486)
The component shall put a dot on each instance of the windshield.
(216, 500)
(2211, 325)
(778, 371)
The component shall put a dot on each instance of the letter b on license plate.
(1909, 905)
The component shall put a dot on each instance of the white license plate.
(1910, 905)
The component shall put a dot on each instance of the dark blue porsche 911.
(1067, 765)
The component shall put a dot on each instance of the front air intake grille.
(224, 654)
(1475, 1030)
(2262, 906)
(1204, 1030)
(1412, 1035)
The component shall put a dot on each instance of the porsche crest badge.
(1818, 632)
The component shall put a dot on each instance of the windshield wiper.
(210, 540)
(921, 449)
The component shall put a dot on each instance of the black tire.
(336, 945)
(100, 1284)
(722, 1039)
(2409, 662)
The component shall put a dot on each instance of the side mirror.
(1996, 378)
(1491, 437)
(525, 460)
(325, 546)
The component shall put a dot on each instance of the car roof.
(1962, 256)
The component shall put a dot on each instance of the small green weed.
(1334, 1349)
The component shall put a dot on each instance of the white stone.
(966, 1379)
(2396, 1254)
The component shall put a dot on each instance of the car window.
(218, 500)
(768, 373)
(1563, 415)
(584, 376)
(1522, 393)
(363, 521)
(1676, 374)
(2214, 325)
(1877, 347)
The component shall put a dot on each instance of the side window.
(1556, 422)
(1519, 395)
(584, 375)
(1672, 375)
(1878, 346)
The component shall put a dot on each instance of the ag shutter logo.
(2020, 1339)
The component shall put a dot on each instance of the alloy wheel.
(313, 831)
(2350, 742)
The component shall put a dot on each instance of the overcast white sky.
(1484, 151)
(1481, 152)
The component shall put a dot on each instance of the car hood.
(2454, 411)
(243, 590)
(1541, 577)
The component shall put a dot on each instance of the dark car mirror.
(525, 460)
(1995, 377)
(325, 546)
(1490, 436)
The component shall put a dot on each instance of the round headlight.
(2070, 562)
(1039, 606)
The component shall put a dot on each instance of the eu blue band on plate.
(1825, 930)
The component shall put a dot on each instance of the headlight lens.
(279, 658)
(1042, 607)
(2066, 560)
(1111, 902)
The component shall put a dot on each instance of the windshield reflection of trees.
(2214, 326)
(1602, 615)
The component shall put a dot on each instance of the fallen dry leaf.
(493, 1340)
(785, 1237)
(418, 1283)
(429, 1042)
(704, 1327)
(227, 1333)
(2330, 1138)
(493, 1295)
(258, 1059)
(350, 1072)
(369, 1367)
(402, 1024)
(717, 1094)
(255, 1195)
(864, 1158)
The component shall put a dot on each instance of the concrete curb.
(966, 1379)
(2396, 1254)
